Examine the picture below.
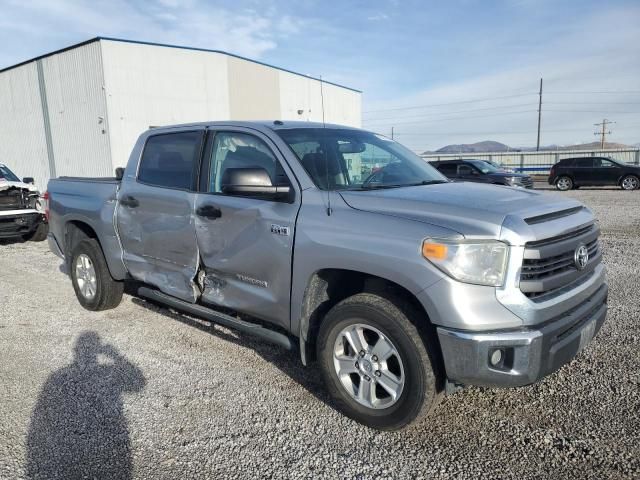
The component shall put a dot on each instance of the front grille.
(526, 182)
(549, 266)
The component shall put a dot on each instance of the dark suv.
(481, 172)
(571, 173)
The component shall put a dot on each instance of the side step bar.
(217, 317)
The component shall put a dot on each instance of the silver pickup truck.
(344, 245)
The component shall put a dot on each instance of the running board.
(217, 317)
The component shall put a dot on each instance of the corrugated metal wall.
(341, 105)
(22, 142)
(78, 112)
(149, 85)
(83, 108)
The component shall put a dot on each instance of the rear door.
(155, 213)
(246, 244)
(448, 169)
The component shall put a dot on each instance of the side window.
(584, 163)
(448, 168)
(168, 160)
(465, 169)
(568, 162)
(604, 163)
(241, 150)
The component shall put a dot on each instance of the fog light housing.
(496, 357)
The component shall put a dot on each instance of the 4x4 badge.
(280, 229)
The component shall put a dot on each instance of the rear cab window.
(169, 160)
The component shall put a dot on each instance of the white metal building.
(78, 111)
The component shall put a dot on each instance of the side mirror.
(28, 180)
(119, 173)
(253, 182)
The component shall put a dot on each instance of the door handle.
(209, 211)
(129, 201)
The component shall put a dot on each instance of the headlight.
(514, 180)
(481, 263)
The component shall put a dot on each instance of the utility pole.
(539, 115)
(603, 132)
(391, 133)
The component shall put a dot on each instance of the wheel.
(92, 281)
(39, 234)
(564, 183)
(630, 182)
(375, 363)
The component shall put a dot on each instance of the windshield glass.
(485, 167)
(6, 174)
(339, 159)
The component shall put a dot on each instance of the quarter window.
(168, 160)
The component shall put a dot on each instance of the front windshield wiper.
(398, 185)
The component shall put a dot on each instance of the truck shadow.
(288, 362)
(78, 428)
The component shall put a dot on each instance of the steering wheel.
(373, 176)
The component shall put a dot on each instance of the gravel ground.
(140, 392)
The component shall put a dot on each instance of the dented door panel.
(158, 238)
(246, 255)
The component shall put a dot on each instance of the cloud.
(378, 17)
(571, 60)
(193, 23)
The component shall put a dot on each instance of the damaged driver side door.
(245, 242)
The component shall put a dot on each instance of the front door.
(155, 214)
(246, 244)
(605, 172)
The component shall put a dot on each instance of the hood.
(6, 185)
(508, 174)
(471, 209)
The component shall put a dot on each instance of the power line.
(428, 115)
(604, 92)
(448, 103)
(443, 119)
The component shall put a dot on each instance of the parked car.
(481, 171)
(402, 284)
(578, 172)
(21, 212)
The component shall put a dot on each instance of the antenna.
(326, 160)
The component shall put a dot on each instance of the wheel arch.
(327, 287)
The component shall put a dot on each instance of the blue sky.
(418, 54)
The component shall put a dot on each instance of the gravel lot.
(140, 392)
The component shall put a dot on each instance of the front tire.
(95, 288)
(630, 182)
(375, 363)
(564, 183)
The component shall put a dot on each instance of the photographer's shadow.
(78, 428)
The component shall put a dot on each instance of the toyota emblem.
(581, 257)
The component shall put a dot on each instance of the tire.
(379, 319)
(95, 288)
(630, 182)
(564, 183)
(39, 234)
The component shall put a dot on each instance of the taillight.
(45, 197)
(552, 172)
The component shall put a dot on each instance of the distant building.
(78, 111)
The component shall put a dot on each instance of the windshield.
(340, 159)
(6, 174)
(485, 167)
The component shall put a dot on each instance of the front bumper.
(18, 224)
(527, 354)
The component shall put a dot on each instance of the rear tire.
(564, 183)
(39, 234)
(95, 288)
(393, 357)
(630, 182)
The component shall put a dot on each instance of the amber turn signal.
(434, 251)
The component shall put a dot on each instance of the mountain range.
(493, 146)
